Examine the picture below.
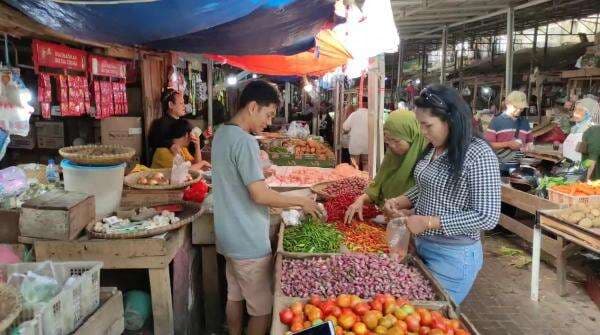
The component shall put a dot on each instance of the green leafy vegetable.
(312, 236)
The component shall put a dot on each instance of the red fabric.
(554, 135)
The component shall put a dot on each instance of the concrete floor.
(499, 302)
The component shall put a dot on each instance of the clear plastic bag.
(180, 170)
(398, 237)
(13, 181)
(298, 130)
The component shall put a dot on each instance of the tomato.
(380, 330)
(315, 300)
(286, 316)
(395, 331)
(460, 332)
(333, 320)
(437, 315)
(389, 298)
(390, 307)
(450, 331)
(355, 300)
(400, 314)
(402, 324)
(344, 300)
(440, 324)
(339, 330)
(436, 331)
(412, 323)
(359, 328)
(347, 310)
(315, 314)
(361, 308)
(379, 297)
(409, 309)
(306, 324)
(377, 305)
(308, 308)
(298, 318)
(327, 307)
(454, 324)
(347, 320)
(317, 322)
(426, 319)
(424, 330)
(296, 327)
(401, 302)
(336, 311)
(297, 308)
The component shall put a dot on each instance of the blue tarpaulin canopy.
(233, 27)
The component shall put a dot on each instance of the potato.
(574, 218)
(580, 207)
(596, 223)
(586, 223)
(595, 212)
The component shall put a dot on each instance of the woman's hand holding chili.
(419, 223)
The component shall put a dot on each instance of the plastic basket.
(69, 308)
(567, 199)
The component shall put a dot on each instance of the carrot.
(583, 188)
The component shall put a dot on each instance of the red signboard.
(102, 66)
(58, 56)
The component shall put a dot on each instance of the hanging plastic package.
(176, 80)
(13, 181)
(4, 141)
(14, 108)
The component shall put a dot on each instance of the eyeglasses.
(434, 99)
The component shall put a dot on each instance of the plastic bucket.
(104, 182)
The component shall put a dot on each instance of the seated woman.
(179, 140)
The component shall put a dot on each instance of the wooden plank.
(581, 73)
(588, 241)
(549, 245)
(162, 303)
(525, 201)
(203, 231)
(102, 321)
(561, 270)
(211, 289)
(182, 279)
(9, 226)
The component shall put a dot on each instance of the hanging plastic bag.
(13, 181)
(398, 237)
(298, 129)
(4, 141)
(180, 170)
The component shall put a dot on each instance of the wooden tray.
(131, 180)
(84, 154)
(10, 308)
(190, 213)
(553, 214)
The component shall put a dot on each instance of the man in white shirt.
(357, 124)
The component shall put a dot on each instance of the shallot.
(364, 275)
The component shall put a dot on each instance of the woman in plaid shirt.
(457, 192)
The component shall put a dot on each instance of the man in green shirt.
(591, 141)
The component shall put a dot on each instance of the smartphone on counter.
(325, 328)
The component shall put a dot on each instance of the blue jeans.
(454, 266)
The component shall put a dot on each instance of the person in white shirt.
(357, 124)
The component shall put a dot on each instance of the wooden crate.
(108, 318)
(144, 198)
(9, 226)
(57, 215)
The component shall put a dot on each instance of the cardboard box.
(23, 142)
(9, 225)
(50, 129)
(143, 198)
(50, 134)
(125, 131)
(50, 142)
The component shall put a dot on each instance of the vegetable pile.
(311, 147)
(549, 182)
(312, 236)
(196, 193)
(384, 315)
(364, 237)
(364, 275)
(336, 207)
(584, 215)
(579, 189)
(352, 185)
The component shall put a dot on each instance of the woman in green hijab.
(405, 144)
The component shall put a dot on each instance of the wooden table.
(574, 239)
(529, 203)
(154, 254)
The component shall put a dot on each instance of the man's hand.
(310, 207)
(514, 145)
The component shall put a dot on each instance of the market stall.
(577, 225)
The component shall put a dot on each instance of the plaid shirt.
(470, 206)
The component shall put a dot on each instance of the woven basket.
(10, 306)
(319, 189)
(131, 180)
(96, 154)
(191, 212)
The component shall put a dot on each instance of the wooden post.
(400, 78)
(209, 83)
(162, 303)
(376, 90)
(286, 99)
(510, 27)
(444, 55)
